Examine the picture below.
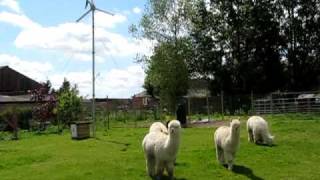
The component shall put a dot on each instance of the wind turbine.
(92, 9)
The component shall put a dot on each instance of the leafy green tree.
(167, 75)
(166, 23)
(69, 107)
(65, 86)
(164, 20)
(237, 45)
(300, 22)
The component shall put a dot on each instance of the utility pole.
(92, 9)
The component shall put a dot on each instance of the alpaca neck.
(172, 143)
(234, 135)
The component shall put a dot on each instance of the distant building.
(143, 100)
(198, 88)
(197, 97)
(108, 104)
(13, 83)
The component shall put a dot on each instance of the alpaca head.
(174, 127)
(235, 125)
(270, 140)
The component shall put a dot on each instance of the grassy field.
(117, 154)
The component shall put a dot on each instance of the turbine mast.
(92, 10)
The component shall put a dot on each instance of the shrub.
(23, 114)
(69, 108)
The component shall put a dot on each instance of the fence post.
(271, 104)
(222, 110)
(189, 104)
(108, 113)
(208, 111)
(252, 101)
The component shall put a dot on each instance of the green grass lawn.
(117, 154)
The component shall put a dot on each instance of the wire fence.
(239, 104)
(288, 102)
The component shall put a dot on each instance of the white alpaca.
(258, 131)
(161, 150)
(158, 127)
(227, 142)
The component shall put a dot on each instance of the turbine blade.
(104, 11)
(83, 15)
(87, 3)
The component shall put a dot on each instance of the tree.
(167, 75)
(166, 22)
(236, 46)
(65, 86)
(300, 22)
(69, 107)
(45, 98)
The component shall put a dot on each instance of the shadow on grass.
(183, 164)
(126, 145)
(246, 172)
(266, 145)
(165, 177)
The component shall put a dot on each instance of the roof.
(308, 96)
(13, 82)
(198, 84)
(142, 94)
(198, 88)
(8, 99)
(3, 67)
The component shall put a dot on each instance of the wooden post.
(271, 104)
(189, 106)
(208, 111)
(222, 110)
(252, 101)
(108, 113)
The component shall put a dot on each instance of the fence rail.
(288, 103)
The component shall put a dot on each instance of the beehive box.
(80, 129)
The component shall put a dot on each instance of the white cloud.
(36, 70)
(136, 10)
(11, 4)
(75, 38)
(18, 20)
(121, 82)
(115, 83)
(107, 21)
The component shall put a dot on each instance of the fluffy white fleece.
(158, 127)
(258, 131)
(161, 150)
(226, 141)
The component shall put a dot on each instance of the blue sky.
(41, 40)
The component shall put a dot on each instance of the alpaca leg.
(256, 137)
(229, 159)
(159, 169)
(250, 135)
(220, 155)
(150, 161)
(170, 169)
